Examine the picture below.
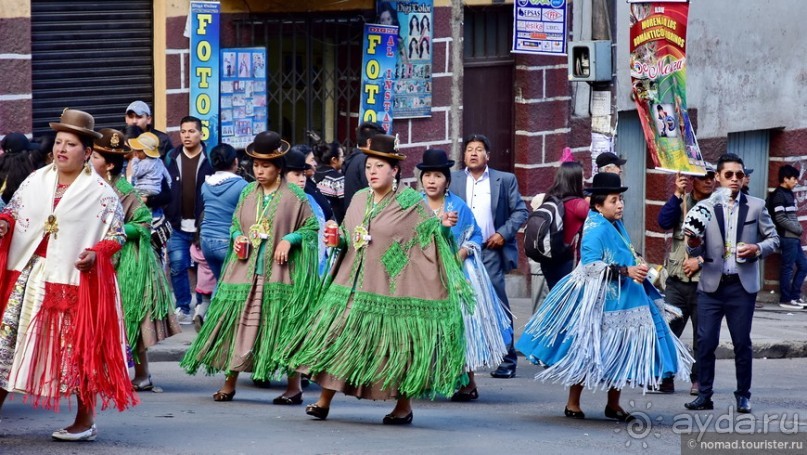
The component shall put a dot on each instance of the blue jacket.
(220, 193)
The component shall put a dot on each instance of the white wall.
(746, 64)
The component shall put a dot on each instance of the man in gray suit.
(499, 211)
(736, 237)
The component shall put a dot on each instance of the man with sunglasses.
(683, 270)
(737, 235)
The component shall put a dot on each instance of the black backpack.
(543, 235)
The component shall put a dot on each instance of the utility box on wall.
(590, 61)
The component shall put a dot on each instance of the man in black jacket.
(353, 168)
(188, 166)
(138, 113)
(782, 207)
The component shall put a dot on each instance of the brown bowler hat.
(267, 146)
(112, 141)
(76, 122)
(385, 146)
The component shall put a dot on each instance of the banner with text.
(539, 27)
(380, 47)
(413, 67)
(658, 32)
(244, 111)
(204, 74)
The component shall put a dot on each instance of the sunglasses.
(730, 175)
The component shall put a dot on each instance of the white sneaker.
(87, 435)
(791, 305)
(186, 319)
(801, 302)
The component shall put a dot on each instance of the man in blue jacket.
(188, 166)
(500, 212)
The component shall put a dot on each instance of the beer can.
(331, 235)
(243, 252)
(737, 250)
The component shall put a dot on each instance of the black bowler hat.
(606, 183)
(267, 146)
(435, 160)
(604, 159)
(16, 143)
(295, 161)
(383, 145)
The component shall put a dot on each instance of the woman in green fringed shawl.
(148, 309)
(389, 325)
(262, 300)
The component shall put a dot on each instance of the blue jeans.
(792, 254)
(215, 250)
(179, 261)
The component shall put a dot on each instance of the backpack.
(543, 234)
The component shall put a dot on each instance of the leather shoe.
(390, 419)
(284, 400)
(622, 416)
(504, 372)
(315, 411)
(700, 404)
(574, 414)
(463, 397)
(87, 435)
(743, 405)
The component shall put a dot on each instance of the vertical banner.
(413, 67)
(204, 74)
(243, 95)
(539, 27)
(379, 48)
(658, 32)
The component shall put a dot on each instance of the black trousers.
(684, 296)
(737, 306)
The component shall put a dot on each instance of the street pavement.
(512, 416)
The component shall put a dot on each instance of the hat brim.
(75, 130)
(139, 146)
(435, 167)
(391, 156)
(102, 150)
(606, 190)
(284, 148)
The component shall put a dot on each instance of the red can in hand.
(331, 235)
(243, 251)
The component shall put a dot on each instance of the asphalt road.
(514, 416)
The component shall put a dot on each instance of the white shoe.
(801, 302)
(87, 435)
(791, 305)
(183, 318)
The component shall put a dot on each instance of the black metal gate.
(90, 55)
(313, 73)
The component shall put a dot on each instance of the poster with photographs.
(413, 68)
(243, 95)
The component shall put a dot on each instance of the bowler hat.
(604, 159)
(147, 143)
(111, 141)
(295, 161)
(606, 183)
(383, 145)
(17, 142)
(267, 145)
(76, 122)
(434, 160)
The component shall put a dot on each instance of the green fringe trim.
(408, 197)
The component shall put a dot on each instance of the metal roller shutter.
(90, 55)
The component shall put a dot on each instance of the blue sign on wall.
(380, 49)
(204, 74)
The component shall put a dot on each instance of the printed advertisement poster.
(658, 33)
(539, 27)
(243, 95)
(413, 68)
(204, 74)
(379, 48)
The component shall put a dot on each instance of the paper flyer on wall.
(539, 27)
(413, 69)
(243, 95)
(658, 75)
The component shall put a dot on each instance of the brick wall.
(15, 91)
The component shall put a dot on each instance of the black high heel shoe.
(622, 416)
(390, 419)
(574, 414)
(315, 411)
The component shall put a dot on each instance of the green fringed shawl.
(287, 289)
(400, 326)
(143, 285)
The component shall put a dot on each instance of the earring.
(87, 169)
(108, 176)
(394, 186)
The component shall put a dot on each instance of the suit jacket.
(509, 210)
(754, 225)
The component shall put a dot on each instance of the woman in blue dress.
(603, 325)
(487, 327)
